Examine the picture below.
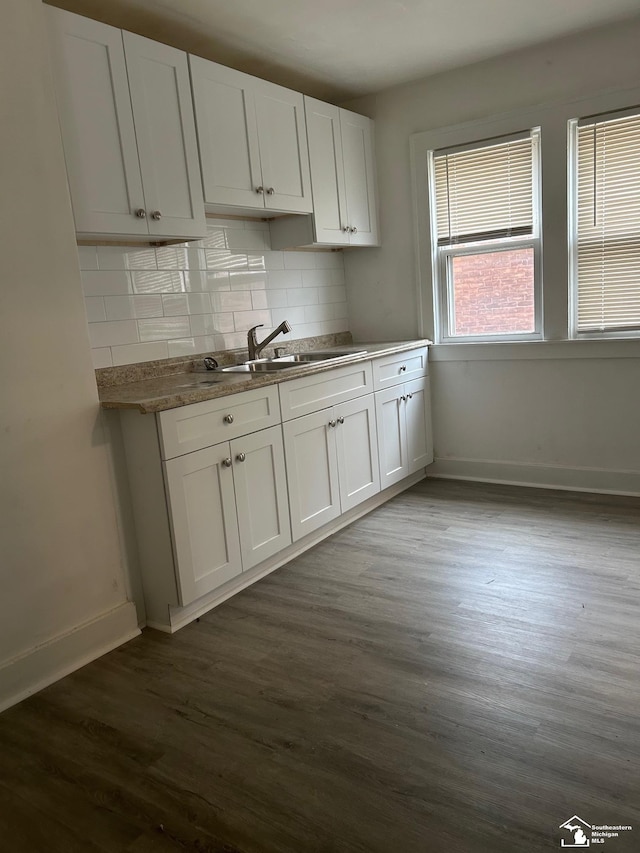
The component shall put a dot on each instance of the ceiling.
(337, 49)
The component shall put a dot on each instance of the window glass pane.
(608, 225)
(493, 292)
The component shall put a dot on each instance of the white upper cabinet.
(343, 182)
(128, 131)
(252, 140)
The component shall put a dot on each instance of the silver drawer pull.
(340, 420)
(156, 215)
(409, 396)
(227, 462)
(260, 190)
(141, 213)
(241, 457)
(228, 419)
(403, 367)
(332, 423)
(270, 191)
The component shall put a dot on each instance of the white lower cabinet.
(403, 417)
(332, 463)
(228, 510)
(225, 486)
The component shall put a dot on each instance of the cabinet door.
(284, 154)
(418, 417)
(312, 472)
(261, 495)
(96, 120)
(165, 130)
(327, 172)
(227, 134)
(357, 446)
(360, 178)
(204, 525)
(392, 435)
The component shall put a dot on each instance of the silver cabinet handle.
(227, 462)
(409, 396)
(332, 423)
(259, 189)
(403, 398)
(156, 215)
(353, 230)
(346, 229)
(403, 367)
(241, 457)
(228, 419)
(270, 191)
(141, 213)
(340, 420)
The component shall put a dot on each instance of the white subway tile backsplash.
(164, 328)
(105, 282)
(125, 258)
(88, 257)
(211, 324)
(200, 281)
(317, 278)
(111, 334)
(284, 278)
(248, 280)
(181, 258)
(160, 281)
(244, 320)
(132, 307)
(226, 260)
(94, 306)
(133, 353)
(302, 296)
(102, 357)
(186, 303)
(234, 300)
(149, 303)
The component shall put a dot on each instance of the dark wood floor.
(456, 672)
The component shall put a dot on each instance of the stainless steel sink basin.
(266, 366)
(284, 362)
(318, 355)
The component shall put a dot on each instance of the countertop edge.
(113, 398)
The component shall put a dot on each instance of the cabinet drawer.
(312, 393)
(203, 424)
(398, 368)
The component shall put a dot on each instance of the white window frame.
(572, 213)
(441, 256)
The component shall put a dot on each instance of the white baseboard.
(178, 617)
(597, 480)
(41, 666)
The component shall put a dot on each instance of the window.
(486, 239)
(605, 228)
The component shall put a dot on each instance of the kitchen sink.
(266, 366)
(317, 355)
(285, 362)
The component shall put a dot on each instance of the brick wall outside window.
(494, 292)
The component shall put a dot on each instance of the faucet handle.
(253, 328)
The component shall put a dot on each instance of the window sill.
(531, 350)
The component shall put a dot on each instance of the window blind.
(608, 224)
(484, 193)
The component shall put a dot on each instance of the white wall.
(60, 566)
(551, 420)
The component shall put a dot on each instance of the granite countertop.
(161, 392)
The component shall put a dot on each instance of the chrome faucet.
(254, 347)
